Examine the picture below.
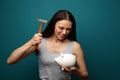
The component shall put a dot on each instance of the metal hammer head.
(41, 20)
(41, 24)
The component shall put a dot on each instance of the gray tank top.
(48, 68)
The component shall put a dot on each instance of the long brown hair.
(61, 15)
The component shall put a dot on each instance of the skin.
(55, 44)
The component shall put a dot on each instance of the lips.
(62, 36)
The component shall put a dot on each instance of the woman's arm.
(81, 72)
(25, 49)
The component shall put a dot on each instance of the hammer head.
(42, 21)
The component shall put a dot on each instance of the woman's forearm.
(82, 75)
(25, 50)
(20, 53)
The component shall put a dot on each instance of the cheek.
(57, 31)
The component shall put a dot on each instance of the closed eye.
(61, 28)
(68, 29)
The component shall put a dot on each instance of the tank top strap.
(69, 48)
(43, 42)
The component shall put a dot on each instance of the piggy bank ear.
(74, 56)
(61, 53)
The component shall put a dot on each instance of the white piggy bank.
(66, 59)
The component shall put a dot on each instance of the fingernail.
(62, 68)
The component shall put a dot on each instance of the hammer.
(40, 29)
(41, 24)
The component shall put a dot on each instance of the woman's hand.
(37, 38)
(68, 69)
(25, 49)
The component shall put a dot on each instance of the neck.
(55, 39)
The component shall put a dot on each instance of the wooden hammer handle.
(40, 27)
(39, 31)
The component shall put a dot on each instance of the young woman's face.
(62, 28)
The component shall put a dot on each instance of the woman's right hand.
(36, 39)
(25, 49)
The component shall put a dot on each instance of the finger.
(73, 68)
(62, 69)
(36, 39)
(66, 69)
(39, 34)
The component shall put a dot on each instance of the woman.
(59, 36)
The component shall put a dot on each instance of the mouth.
(62, 37)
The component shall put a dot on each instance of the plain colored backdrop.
(98, 32)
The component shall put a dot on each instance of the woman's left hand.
(68, 69)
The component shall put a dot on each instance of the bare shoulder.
(76, 45)
(77, 48)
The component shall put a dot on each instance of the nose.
(64, 31)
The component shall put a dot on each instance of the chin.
(61, 38)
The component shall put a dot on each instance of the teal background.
(98, 32)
